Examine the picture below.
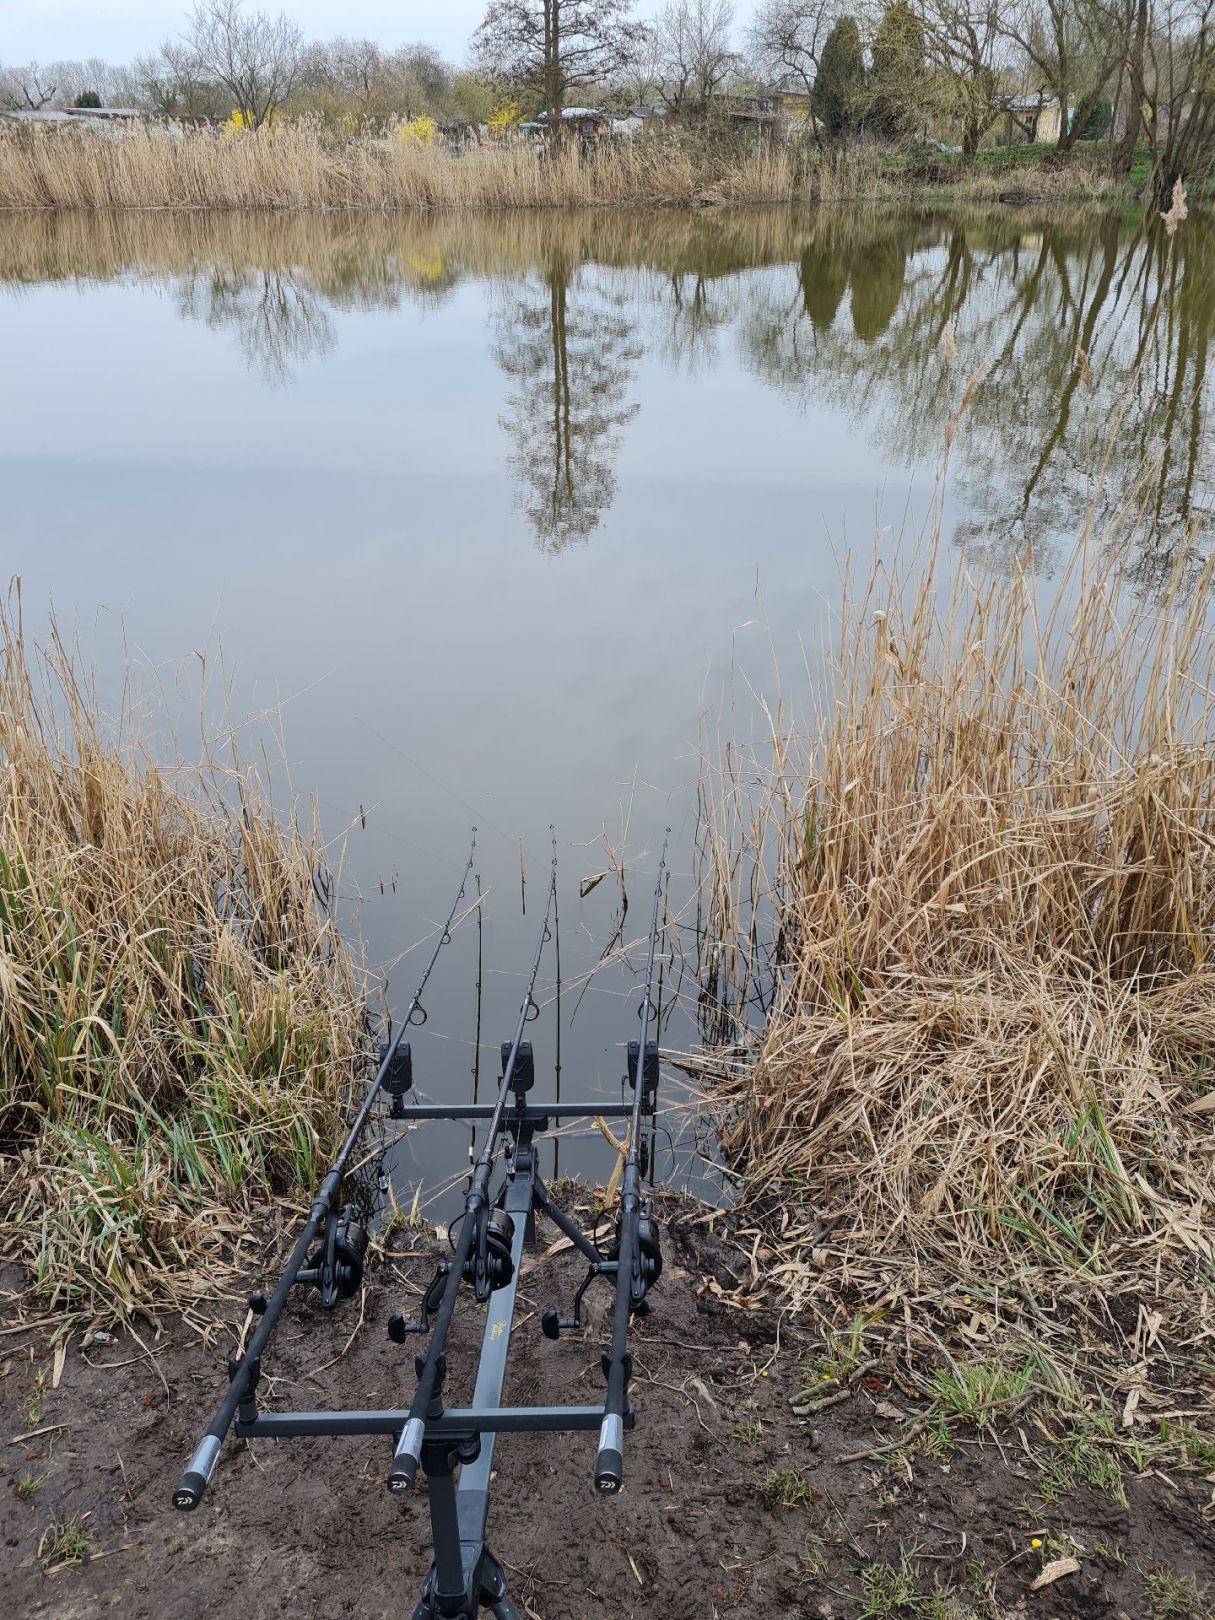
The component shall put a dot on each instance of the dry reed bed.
(301, 167)
(991, 863)
(179, 1020)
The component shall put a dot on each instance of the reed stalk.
(985, 870)
(180, 1021)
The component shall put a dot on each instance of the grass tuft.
(784, 1488)
(1171, 1595)
(64, 1541)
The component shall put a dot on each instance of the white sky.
(44, 30)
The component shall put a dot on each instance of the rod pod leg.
(449, 1593)
(452, 1590)
(492, 1595)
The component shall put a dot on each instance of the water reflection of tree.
(569, 349)
(281, 316)
(1085, 330)
(277, 318)
(846, 311)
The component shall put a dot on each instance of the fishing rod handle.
(198, 1473)
(407, 1457)
(609, 1461)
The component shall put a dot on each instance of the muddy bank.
(734, 1505)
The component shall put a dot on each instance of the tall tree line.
(1132, 71)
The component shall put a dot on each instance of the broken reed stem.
(990, 865)
(180, 1021)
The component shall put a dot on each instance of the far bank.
(301, 167)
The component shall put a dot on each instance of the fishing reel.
(336, 1268)
(496, 1270)
(649, 1269)
(649, 1259)
(490, 1264)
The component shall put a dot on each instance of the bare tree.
(349, 68)
(695, 51)
(172, 82)
(1073, 49)
(254, 56)
(1130, 88)
(1174, 86)
(640, 77)
(964, 40)
(30, 88)
(60, 84)
(555, 45)
(421, 81)
(786, 38)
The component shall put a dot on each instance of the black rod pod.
(634, 1259)
(243, 1381)
(465, 1578)
(472, 1246)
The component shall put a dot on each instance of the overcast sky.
(117, 29)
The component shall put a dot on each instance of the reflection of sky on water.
(355, 480)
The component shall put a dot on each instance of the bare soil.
(733, 1505)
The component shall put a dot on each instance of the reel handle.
(407, 1457)
(609, 1462)
(198, 1474)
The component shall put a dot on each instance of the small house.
(106, 115)
(1036, 118)
(587, 122)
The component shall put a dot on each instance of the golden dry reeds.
(988, 869)
(180, 1021)
(302, 167)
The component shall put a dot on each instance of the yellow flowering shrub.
(422, 129)
(503, 119)
(241, 121)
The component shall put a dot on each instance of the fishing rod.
(637, 1253)
(337, 1266)
(483, 1253)
(455, 1447)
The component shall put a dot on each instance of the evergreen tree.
(839, 87)
(897, 75)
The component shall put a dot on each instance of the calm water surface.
(494, 520)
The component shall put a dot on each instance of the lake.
(511, 520)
